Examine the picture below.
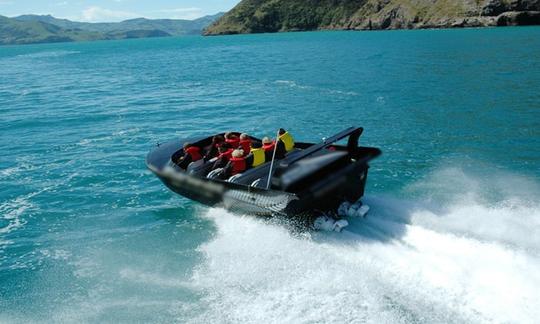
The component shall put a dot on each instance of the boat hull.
(331, 174)
(324, 195)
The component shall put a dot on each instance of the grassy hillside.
(18, 32)
(254, 16)
(30, 29)
(175, 27)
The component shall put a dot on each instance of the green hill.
(256, 16)
(26, 32)
(174, 27)
(29, 29)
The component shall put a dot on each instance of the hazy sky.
(115, 10)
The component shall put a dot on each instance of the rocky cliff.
(256, 16)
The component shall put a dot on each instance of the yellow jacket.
(258, 156)
(288, 140)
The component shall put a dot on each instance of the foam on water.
(294, 84)
(10, 213)
(13, 171)
(503, 208)
(47, 54)
(407, 262)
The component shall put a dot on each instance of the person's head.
(256, 144)
(244, 136)
(282, 131)
(238, 153)
(187, 145)
(218, 139)
(230, 135)
(266, 140)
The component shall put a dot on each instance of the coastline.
(506, 19)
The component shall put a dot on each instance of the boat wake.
(458, 259)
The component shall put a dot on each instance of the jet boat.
(313, 179)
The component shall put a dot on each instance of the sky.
(115, 10)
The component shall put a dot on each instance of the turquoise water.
(87, 234)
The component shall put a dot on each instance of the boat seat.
(234, 177)
(194, 165)
(214, 173)
(256, 177)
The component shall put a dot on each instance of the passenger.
(213, 151)
(256, 156)
(225, 154)
(191, 154)
(287, 139)
(268, 148)
(280, 150)
(237, 163)
(232, 140)
(245, 143)
(269, 145)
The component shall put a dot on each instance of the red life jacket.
(238, 165)
(269, 147)
(227, 154)
(194, 152)
(246, 146)
(234, 142)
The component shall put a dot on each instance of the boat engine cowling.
(306, 172)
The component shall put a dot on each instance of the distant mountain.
(257, 16)
(26, 32)
(29, 29)
(174, 27)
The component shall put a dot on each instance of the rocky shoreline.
(511, 18)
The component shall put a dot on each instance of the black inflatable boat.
(313, 178)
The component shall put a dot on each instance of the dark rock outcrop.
(519, 18)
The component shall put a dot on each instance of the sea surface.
(88, 234)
